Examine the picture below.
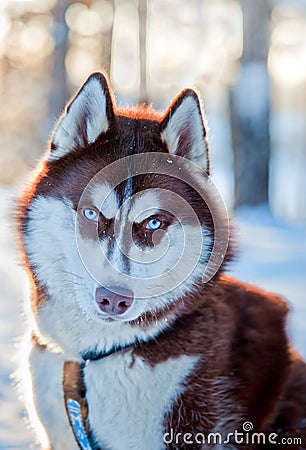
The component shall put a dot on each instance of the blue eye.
(90, 214)
(153, 224)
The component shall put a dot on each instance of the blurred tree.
(69, 34)
(250, 108)
(107, 41)
(59, 91)
(142, 17)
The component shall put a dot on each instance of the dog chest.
(128, 399)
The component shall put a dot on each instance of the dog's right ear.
(88, 114)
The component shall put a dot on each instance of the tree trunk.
(59, 91)
(250, 108)
(107, 41)
(142, 16)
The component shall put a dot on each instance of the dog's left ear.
(88, 114)
(183, 129)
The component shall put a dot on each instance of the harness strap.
(75, 394)
(76, 403)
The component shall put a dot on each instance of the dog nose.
(114, 302)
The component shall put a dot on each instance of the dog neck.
(93, 355)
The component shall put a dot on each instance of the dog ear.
(183, 129)
(88, 114)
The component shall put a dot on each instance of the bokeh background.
(247, 59)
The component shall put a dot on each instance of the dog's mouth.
(109, 319)
(112, 319)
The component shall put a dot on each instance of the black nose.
(114, 301)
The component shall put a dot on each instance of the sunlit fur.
(202, 357)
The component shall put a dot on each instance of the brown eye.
(90, 214)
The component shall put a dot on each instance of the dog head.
(122, 220)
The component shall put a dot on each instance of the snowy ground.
(272, 255)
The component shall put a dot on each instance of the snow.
(13, 431)
(272, 255)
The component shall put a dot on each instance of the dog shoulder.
(254, 307)
(291, 414)
(260, 355)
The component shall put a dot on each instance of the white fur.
(127, 406)
(106, 200)
(145, 203)
(47, 380)
(88, 106)
(187, 116)
(133, 208)
(127, 398)
(128, 188)
(71, 318)
(121, 221)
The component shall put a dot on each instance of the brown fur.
(238, 332)
(74, 389)
(246, 370)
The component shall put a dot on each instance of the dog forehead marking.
(104, 197)
(144, 205)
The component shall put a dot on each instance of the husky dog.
(140, 342)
